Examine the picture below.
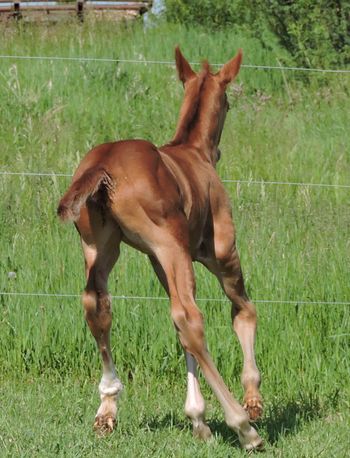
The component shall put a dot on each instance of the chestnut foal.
(169, 203)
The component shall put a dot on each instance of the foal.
(169, 203)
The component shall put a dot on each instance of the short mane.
(189, 108)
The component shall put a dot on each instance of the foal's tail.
(80, 190)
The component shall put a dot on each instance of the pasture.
(293, 240)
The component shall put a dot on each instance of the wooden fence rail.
(17, 8)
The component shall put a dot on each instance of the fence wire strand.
(249, 182)
(164, 298)
(164, 62)
(36, 174)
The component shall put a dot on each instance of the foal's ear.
(184, 69)
(230, 69)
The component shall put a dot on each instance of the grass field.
(294, 244)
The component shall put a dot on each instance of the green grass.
(293, 243)
(53, 418)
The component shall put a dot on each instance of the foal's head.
(205, 104)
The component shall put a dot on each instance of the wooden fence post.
(17, 10)
(80, 10)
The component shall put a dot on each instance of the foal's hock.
(169, 203)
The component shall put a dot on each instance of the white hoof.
(250, 440)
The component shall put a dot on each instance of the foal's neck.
(205, 132)
(200, 123)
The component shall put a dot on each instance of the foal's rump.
(125, 178)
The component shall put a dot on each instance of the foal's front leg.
(223, 261)
(194, 404)
(244, 319)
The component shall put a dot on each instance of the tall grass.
(293, 240)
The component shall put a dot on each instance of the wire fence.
(249, 182)
(164, 298)
(164, 62)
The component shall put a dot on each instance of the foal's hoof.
(257, 447)
(254, 408)
(104, 424)
(202, 431)
(250, 440)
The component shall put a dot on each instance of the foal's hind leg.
(177, 264)
(224, 263)
(194, 404)
(100, 242)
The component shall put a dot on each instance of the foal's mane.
(189, 107)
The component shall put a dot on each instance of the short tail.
(80, 190)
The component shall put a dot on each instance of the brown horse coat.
(169, 203)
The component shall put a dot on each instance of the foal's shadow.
(289, 418)
(169, 420)
(172, 421)
(279, 419)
